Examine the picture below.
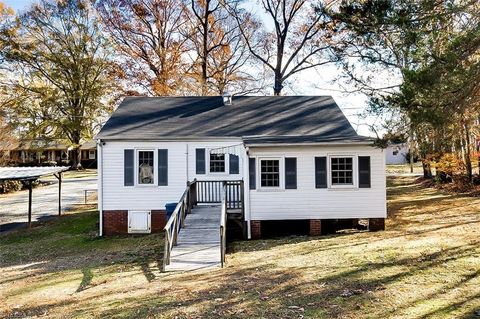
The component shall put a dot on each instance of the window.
(217, 163)
(145, 167)
(91, 154)
(270, 173)
(395, 152)
(342, 170)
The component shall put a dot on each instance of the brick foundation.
(315, 227)
(115, 222)
(376, 224)
(159, 220)
(256, 229)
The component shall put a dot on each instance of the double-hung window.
(341, 170)
(270, 173)
(145, 164)
(217, 163)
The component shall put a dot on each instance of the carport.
(30, 175)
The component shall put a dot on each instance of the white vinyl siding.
(304, 202)
(152, 197)
(308, 202)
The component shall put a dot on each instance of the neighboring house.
(36, 152)
(41, 152)
(298, 157)
(89, 154)
(397, 153)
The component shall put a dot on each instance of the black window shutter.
(200, 160)
(234, 164)
(364, 172)
(128, 167)
(251, 173)
(162, 167)
(320, 172)
(290, 173)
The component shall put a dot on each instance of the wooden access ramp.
(198, 242)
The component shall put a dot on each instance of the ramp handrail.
(177, 221)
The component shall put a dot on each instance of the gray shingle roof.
(276, 119)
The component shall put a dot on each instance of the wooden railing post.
(166, 257)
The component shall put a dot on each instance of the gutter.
(173, 138)
(368, 143)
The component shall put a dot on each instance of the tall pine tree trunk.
(467, 154)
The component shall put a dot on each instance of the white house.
(298, 158)
(397, 153)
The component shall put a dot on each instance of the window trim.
(281, 173)
(226, 159)
(155, 167)
(354, 184)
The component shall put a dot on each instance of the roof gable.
(248, 116)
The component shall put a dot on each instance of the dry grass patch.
(426, 265)
(404, 168)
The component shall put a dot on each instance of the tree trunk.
(76, 158)
(76, 154)
(468, 160)
(278, 86)
(410, 146)
(427, 169)
(204, 57)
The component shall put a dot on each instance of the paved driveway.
(14, 207)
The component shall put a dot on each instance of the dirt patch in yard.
(425, 265)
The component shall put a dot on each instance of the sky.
(310, 82)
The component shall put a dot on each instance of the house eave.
(169, 139)
(307, 144)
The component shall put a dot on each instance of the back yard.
(425, 265)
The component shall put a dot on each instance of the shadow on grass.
(379, 281)
(71, 243)
(86, 279)
(263, 291)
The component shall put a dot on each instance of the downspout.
(186, 154)
(246, 190)
(100, 184)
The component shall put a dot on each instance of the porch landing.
(198, 243)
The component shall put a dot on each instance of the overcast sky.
(310, 82)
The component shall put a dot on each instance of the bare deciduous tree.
(300, 39)
(149, 36)
(221, 58)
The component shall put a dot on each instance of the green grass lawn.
(425, 265)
